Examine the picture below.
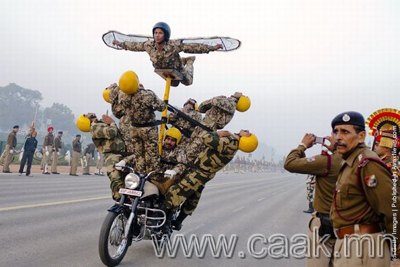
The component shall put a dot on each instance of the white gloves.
(47, 153)
(170, 174)
(11, 151)
(120, 165)
(58, 153)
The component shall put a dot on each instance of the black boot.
(310, 208)
(177, 224)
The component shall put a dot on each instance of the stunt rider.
(164, 53)
(220, 149)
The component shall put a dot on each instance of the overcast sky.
(301, 61)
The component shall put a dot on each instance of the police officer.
(56, 152)
(362, 198)
(325, 167)
(47, 149)
(88, 154)
(76, 154)
(9, 149)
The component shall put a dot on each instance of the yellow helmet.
(248, 143)
(243, 103)
(106, 95)
(129, 82)
(174, 133)
(83, 123)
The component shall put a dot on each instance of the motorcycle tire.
(112, 245)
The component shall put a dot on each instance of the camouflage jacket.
(48, 140)
(168, 57)
(184, 126)
(218, 152)
(115, 96)
(107, 138)
(218, 111)
(140, 107)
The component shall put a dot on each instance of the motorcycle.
(137, 216)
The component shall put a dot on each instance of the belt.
(148, 124)
(357, 229)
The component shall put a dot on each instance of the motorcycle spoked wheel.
(112, 244)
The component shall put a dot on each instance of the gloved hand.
(47, 153)
(58, 153)
(170, 174)
(11, 151)
(120, 165)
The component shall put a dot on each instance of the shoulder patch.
(370, 180)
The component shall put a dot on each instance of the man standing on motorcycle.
(220, 148)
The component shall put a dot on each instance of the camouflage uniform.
(218, 153)
(168, 57)
(108, 141)
(47, 147)
(184, 126)
(143, 131)
(219, 112)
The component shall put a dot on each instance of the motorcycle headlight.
(132, 181)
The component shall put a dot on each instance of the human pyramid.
(193, 148)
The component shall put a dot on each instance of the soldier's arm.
(104, 131)
(156, 102)
(195, 48)
(378, 187)
(297, 162)
(134, 46)
(10, 139)
(205, 105)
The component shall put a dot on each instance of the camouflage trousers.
(115, 176)
(126, 130)
(187, 73)
(145, 142)
(187, 191)
(310, 182)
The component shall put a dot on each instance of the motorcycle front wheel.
(112, 243)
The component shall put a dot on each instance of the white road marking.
(260, 199)
(238, 209)
(39, 205)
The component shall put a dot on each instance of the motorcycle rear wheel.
(112, 244)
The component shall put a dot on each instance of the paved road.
(55, 220)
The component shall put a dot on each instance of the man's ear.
(361, 137)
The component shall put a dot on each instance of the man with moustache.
(361, 211)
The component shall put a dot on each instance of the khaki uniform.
(362, 203)
(100, 162)
(47, 149)
(8, 153)
(88, 153)
(218, 153)
(108, 141)
(143, 131)
(76, 155)
(325, 167)
(56, 152)
(168, 57)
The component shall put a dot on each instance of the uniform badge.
(311, 159)
(346, 118)
(360, 157)
(371, 180)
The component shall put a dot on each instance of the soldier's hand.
(308, 140)
(115, 42)
(120, 165)
(11, 151)
(224, 133)
(218, 46)
(107, 119)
